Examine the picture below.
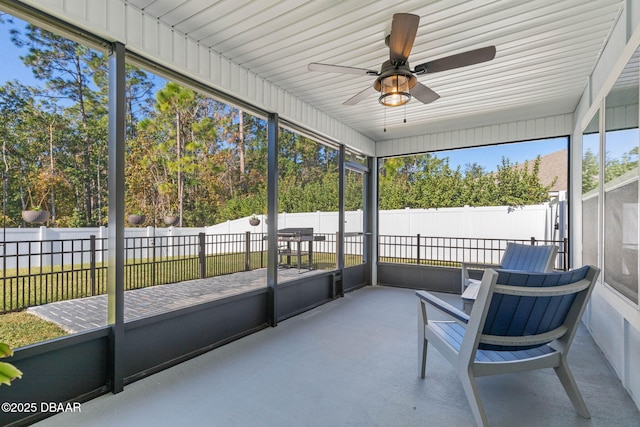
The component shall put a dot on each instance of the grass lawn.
(21, 328)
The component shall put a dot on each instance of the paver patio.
(88, 313)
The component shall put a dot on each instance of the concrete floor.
(352, 362)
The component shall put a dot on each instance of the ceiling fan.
(396, 81)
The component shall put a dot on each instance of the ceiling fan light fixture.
(395, 81)
(394, 90)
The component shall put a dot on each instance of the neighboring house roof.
(553, 165)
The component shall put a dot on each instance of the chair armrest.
(471, 293)
(443, 306)
(466, 266)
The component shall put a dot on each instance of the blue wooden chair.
(516, 257)
(520, 321)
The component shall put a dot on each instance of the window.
(590, 191)
(621, 183)
(53, 101)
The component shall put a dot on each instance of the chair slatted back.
(517, 316)
(528, 257)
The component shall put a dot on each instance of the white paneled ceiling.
(546, 50)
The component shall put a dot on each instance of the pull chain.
(385, 119)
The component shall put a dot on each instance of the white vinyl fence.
(499, 222)
(468, 222)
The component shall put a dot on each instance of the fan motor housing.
(388, 69)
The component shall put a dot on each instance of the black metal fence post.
(153, 256)
(262, 240)
(92, 263)
(418, 249)
(247, 251)
(202, 255)
(533, 241)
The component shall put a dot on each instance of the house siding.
(520, 130)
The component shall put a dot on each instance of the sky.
(487, 157)
(12, 67)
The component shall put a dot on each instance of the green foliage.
(56, 143)
(616, 167)
(76, 220)
(8, 372)
(354, 191)
(241, 206)
(425, 181)
(589, 171)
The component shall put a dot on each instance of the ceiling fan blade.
(360, 96)
(456, 61)
(423, 93)
(404, 27)
(328, 68)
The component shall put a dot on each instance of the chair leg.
(422, 357)
(422, 342)
(471, 390)
(570, 386)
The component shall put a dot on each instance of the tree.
(15, 100)
(420, 181)
(519, 186)
(478, 186)
(426, 181)
(180, 102)
(394, 183)
(66, 66)
(139, 95)
(616, 167)
(308, 175)
(31, 130)
(589, 171)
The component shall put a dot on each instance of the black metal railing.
(452, 251)
(39, 272)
